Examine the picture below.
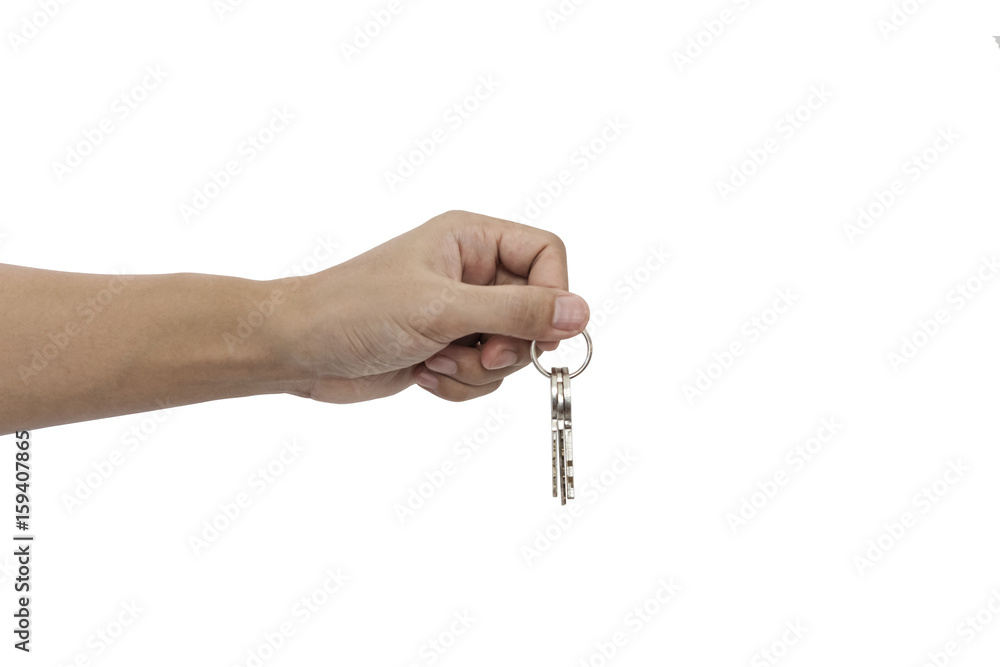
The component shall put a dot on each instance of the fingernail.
(504, 359)
(571, 313)
(426, 380)
(443, 365)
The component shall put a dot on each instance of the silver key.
(557, 375)
(555, 437)
(563, 478)
(567, 432)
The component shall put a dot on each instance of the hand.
(452, 305)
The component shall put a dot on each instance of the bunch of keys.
(562, 422)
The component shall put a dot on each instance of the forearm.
(75, 347)
(452, 305)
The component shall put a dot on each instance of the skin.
(450, 306)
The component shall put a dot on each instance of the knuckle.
(517, 307)
(443, 220)
(457, 394)
(465, 374)
(492, 387)
(558, 243)
(453, 216)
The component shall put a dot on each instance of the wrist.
(279, 313)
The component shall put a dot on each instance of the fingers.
(516, 278)
(499, 352)
(451, 389)
(459, 373)
(505, 277)
(547, 345)
(534, 254)
(466, 364)
(525, 312)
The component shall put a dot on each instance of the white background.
(655, 188)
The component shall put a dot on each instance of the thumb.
(522, 311)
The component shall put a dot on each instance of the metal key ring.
(590, 351)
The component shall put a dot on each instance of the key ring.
(590, 351)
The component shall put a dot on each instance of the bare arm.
(81, 346)
(451, 305)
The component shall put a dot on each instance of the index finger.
(534, 254)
